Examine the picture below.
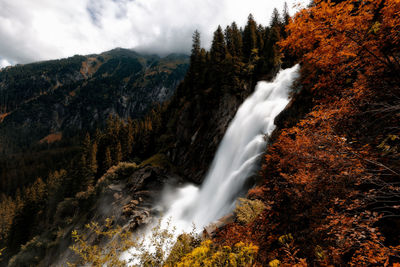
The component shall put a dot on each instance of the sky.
(34, 30)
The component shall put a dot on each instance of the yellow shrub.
(208, 254)
(274, 263)
(247, 210)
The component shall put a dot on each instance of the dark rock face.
(199, 138)
(79, 93)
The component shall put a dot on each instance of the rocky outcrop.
(137, 214)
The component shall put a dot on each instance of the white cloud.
(46, 29)
(4, 63)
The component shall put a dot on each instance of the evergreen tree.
(218, 47)
(276, 20)
(194, 68)
(285, 14)
(236, 40)
(260, 37)
(229, 40)
(233, 39)
(271, 51)
(249, 37)
(196, 46)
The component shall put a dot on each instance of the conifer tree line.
(237, 56)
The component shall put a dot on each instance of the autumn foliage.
(331, 181)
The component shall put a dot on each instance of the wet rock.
(136, 214)
(139, 218)
(116, 187)
(210, 229)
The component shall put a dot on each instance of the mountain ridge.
(48, 95)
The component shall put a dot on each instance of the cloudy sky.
(32, 30)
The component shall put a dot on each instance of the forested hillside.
(48, 107)
(68, 95)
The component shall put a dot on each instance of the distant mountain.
(41, 102)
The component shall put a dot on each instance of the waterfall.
(236, 158)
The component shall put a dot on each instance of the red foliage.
(325, 180)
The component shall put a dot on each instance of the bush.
(183, 245)
(159, 248)
(118, 246)
(248, 210)
(209, 254)
(118, 172)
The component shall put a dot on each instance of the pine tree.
(236, 41)
(271, 51)
(194, 68)
(285, 14)
(229, 40)
(218, 47)
(276, 20)
(249, 37)
(196, 46)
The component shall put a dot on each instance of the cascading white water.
(236, 158)
(235, 161)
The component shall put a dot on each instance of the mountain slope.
(43, 101)
(172, 144)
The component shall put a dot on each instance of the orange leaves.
(318, 177)
(352, 36)
(358, 233)
(256, 192)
